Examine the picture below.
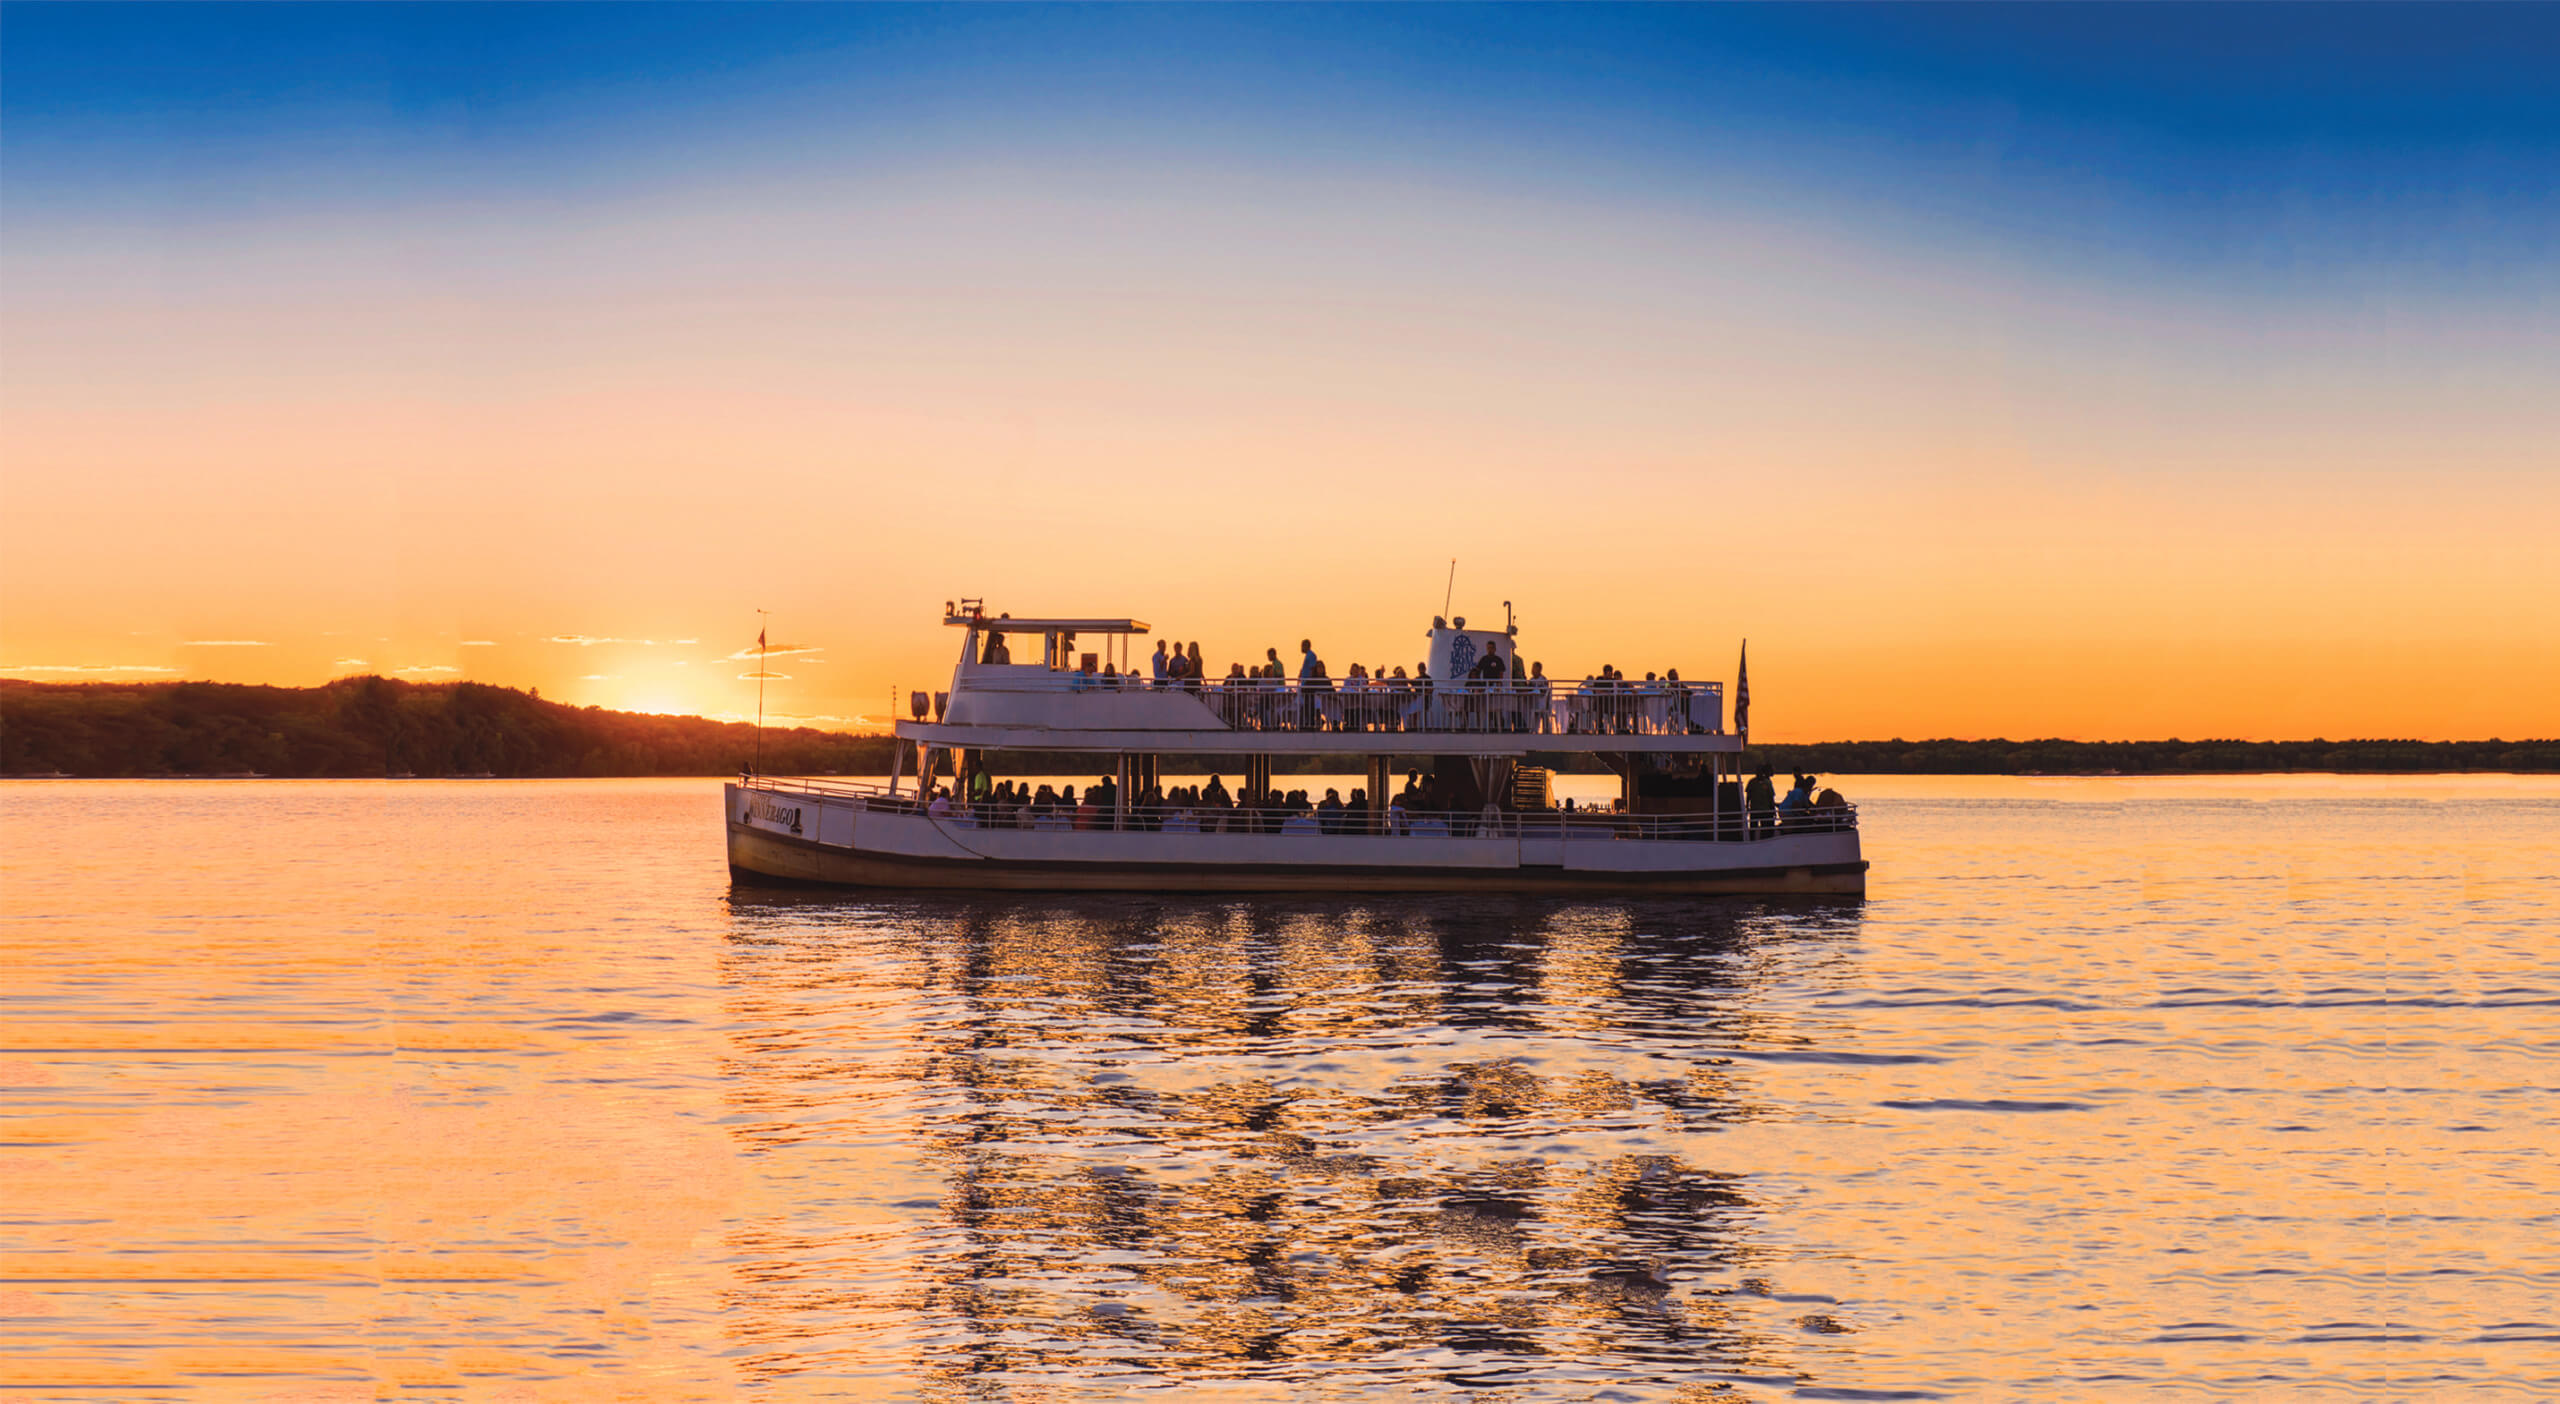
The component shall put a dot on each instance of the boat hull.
(873, 850)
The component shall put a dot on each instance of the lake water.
(2230, 1087)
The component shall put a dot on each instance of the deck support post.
(1120, 794)
(1377, 794)
(897, 764)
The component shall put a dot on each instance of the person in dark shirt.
(1760, 797)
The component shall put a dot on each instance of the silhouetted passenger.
(1760, 798)
(1329, 813)
(1792, 809)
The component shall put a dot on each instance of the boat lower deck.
(817, 839)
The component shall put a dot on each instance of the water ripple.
(415, 1088)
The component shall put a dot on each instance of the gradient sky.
(2009, 371)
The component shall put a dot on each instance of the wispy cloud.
(479, 643)
(598, 677)
(818, 719)
(775, 677)
(85, 668)
(348, 663)
(224, 643)
(422, 668)
(776, 651)
(591, 640)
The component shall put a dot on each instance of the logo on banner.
(1462, 654)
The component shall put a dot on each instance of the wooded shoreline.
(373, 726)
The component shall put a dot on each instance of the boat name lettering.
(763, 807)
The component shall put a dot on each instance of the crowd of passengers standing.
(1500, 692)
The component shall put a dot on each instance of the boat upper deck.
(1016, 706)
(1058, 699)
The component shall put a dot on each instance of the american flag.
(1742, 694)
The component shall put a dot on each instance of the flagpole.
(1742, 696)
(761, 670)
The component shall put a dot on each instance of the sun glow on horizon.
(2061, 391)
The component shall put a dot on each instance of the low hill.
(371, 726)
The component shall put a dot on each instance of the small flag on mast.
(759, 640)
(1742, 694)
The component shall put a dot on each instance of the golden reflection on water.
(502, 1090)
(1221, 1140)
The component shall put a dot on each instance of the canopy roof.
(994, 624)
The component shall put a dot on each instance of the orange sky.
(1942, 493)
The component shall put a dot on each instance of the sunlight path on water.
(2211, 1088)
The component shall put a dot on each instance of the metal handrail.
(1551, 824)
(1590, 707)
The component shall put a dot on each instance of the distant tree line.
(372, 726)
(2054, 757)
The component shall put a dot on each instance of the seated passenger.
(1830, 810)
(1329, 813)
(1791, 810)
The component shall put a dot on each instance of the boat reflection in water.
(1401, 1140)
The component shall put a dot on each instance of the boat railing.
(1591, 707)
(1572, 825)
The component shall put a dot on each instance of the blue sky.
(2158, 132)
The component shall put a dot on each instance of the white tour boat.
(1484, 821)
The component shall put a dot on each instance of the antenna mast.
(761, 670)
(1451, 592)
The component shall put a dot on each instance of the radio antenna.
(1447, 594)
(761, 670)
